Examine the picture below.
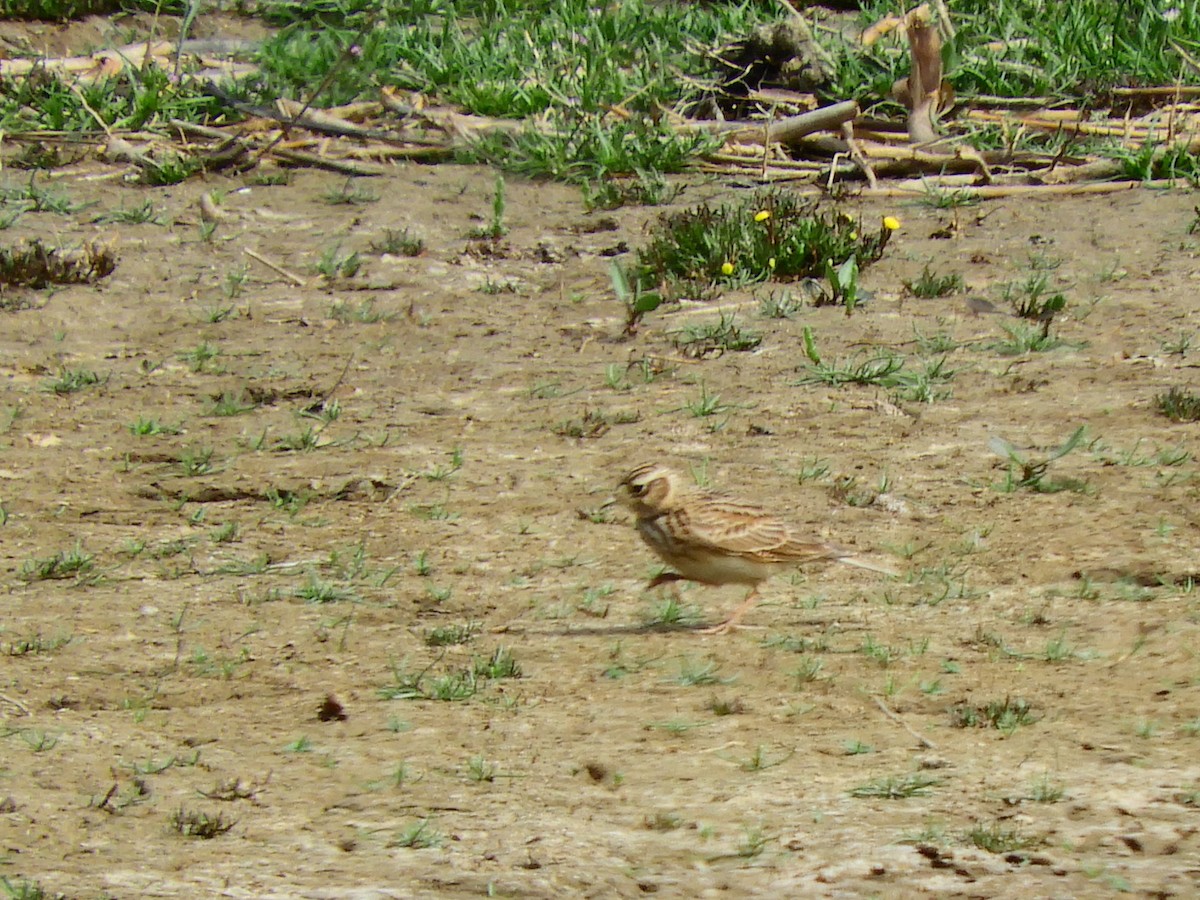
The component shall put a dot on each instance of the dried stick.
(856, 154)
(348, 51)
(921, 739)
(15, 702)
(294, 279)
(1096, 170)
(925, 82)
(733, 159)
(1182, 90)
(786, 130)
(827, 118)
(993, 191)
(345, 167)
(204, 131)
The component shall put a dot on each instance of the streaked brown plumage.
(713, 539)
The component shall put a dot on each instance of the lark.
(713, 539)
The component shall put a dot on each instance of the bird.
(714, 539)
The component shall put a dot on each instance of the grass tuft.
(62, 565)
(896, 787)
(774, 235)
(1179, 405)
(196, 824)
(931, 285)
(1006, 715)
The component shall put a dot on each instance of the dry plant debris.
(774, 70)
(33, 264)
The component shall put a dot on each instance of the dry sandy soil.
(184, 677)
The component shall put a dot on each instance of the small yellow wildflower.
(771, 264)
(891, 223)
(727, 268)
(762, 215)
(854, 235)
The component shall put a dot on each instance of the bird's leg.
(665, 578)
(736, 616)
(671, 578)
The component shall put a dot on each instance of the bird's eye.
(638, 490)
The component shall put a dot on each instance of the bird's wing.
(742, 529)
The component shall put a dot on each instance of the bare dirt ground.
(184, 673)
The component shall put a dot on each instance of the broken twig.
(293, 278)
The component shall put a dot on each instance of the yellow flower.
(727, 268)
(854, 235)
(762, 215)
(891, 223)
(771, 264)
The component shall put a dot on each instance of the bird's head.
(651, 489)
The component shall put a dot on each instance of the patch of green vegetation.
(449, 635)
(996, 838)
(1032, 299)
(1006, 715)
(200, 357)
(495, 229)
(231, 403)
(33, 198)
(170, 168)
(69, 381)
(457, 685)
(930, 284)
(615, 161)
(364, 312)
(692, 674)
(707, 404)
(500, 57)
(773, 235)
(1046, 790)
(35, 644)
(781, 305)
(317, 590)
(594, 422)
(1179, 405)
(644, 187)
(706, 338)
(194, 461)
(349, 194)
(332, 264)
(670, 613)
(417, 836)
(1022, 338)
(884, 368)
(1153, 160)
(1030, 472)
(26, 890)
(64, 564)
(1011, 48)
(588, 80)
(398, 242)
(62, 10)
(896, 787)
(136, 99)
(142, 214)
(197, 824)
(299, 441)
